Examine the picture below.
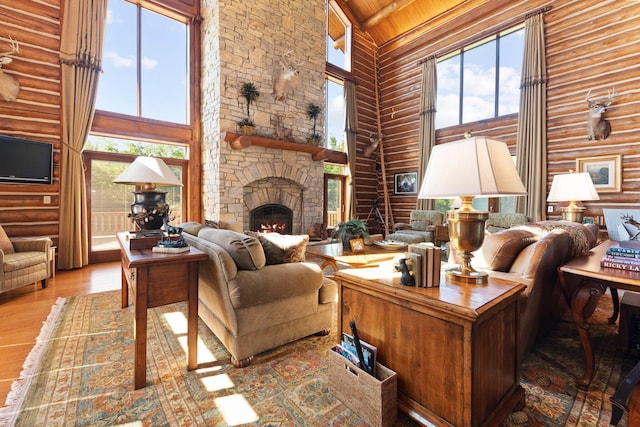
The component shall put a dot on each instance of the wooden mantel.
(238, 142)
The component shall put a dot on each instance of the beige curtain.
(351, 129)
(531, 149)
(80, 58)
(427, 124)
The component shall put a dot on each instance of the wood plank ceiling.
(384, 20)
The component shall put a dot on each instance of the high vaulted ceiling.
(384, 20)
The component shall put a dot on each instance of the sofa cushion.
(191, 227)
(245, 250)
(280, 249)
(5, 243)
(501, 248)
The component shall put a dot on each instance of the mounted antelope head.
(281, 83)
(9, 86)
(597, 126)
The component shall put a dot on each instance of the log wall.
(35, 114)
(589, 45)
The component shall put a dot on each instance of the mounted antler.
(375, 140)
(9, 86)
(289, 71)
(597, 126)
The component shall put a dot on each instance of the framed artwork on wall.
(406, 183)
(605, 172)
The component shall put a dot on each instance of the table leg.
(192, 318)
(616, 305)
(582, 305)
(140, 330)
(125, 289)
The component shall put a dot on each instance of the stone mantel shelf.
(238, 142)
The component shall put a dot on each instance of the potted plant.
(347, 230)
(250, 94)
(313, 111)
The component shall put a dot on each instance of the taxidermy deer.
(9, 86)
(597, 126)
(282, 132)
(375, 140)
(281, 83)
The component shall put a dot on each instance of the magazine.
(369, 352)
(622, 224)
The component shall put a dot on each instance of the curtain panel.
(531, 148)
(80, 57)
(427, 137)
(351, 129)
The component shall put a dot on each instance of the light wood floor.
(23, 310)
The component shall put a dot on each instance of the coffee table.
(333, 254)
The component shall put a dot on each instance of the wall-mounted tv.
(23, 161)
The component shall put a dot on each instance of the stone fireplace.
(236, 181)
(271, 218)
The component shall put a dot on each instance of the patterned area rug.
(81, 373)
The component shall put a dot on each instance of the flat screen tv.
(23, 161)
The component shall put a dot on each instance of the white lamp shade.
(148, 170)
(477, 166)
(572, 186)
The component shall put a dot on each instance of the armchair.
(24, 261)
(421, 227)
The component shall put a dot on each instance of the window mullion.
(460, 103)
(497, 83)
(139, 62)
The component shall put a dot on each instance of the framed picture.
(605, 172)
(406, 183)
(357, 245)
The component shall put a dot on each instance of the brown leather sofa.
(530, 254)
(252, 306)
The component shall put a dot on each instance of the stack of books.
(622, 258)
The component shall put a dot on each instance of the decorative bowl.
(390, 244)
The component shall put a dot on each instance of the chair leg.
(44, 283)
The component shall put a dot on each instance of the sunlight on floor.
(236, 410)
(177, 322)
(217, 382)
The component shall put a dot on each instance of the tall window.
(338, 38)
(142, 108)
(145, 64)
(482, 80)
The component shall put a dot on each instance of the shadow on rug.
(83, 375)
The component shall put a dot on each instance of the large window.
(145, 64)
(480, 81)
(142, 108)
(338, 38)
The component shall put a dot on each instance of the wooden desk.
(333, 253)
(454, 348)
(158, 279)
(582, 294)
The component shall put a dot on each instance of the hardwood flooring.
(23, 310)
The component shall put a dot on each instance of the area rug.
(81, 373)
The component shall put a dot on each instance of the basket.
(374, 399)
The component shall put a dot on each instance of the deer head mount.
(9, 86)
(281, 82)
(597, 126)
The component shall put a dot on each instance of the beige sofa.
(252, 306)
(531, 253)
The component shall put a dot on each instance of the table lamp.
(477, 166)
(571, 187)
(149, 208)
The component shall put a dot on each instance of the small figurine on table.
(168, 240)
(406, 278)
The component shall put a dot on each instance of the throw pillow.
(5, 243)
(280, 249)
(245, 250)
(421, 224)
(501, 248)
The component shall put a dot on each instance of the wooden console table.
(157, 279)
(454, 348)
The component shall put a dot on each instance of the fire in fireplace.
(271, 218)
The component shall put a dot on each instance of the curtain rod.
(527, 16)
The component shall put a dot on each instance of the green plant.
(313, 111)
(345, 231)
(250, 94)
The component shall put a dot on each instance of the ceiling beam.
(384, 13)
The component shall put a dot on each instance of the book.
(630, 252)
(619, 265)
(170, 250)
(416, 267)
(623, 260)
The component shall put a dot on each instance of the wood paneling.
(589, 45)
(35, 114)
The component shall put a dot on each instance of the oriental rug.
(80, 373)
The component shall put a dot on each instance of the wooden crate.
(374, 399)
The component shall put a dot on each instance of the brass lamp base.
(573, 213)
(466, 233)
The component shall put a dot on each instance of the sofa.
(257, 293)
(530, 253)
(24, 261)
(421, 227)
